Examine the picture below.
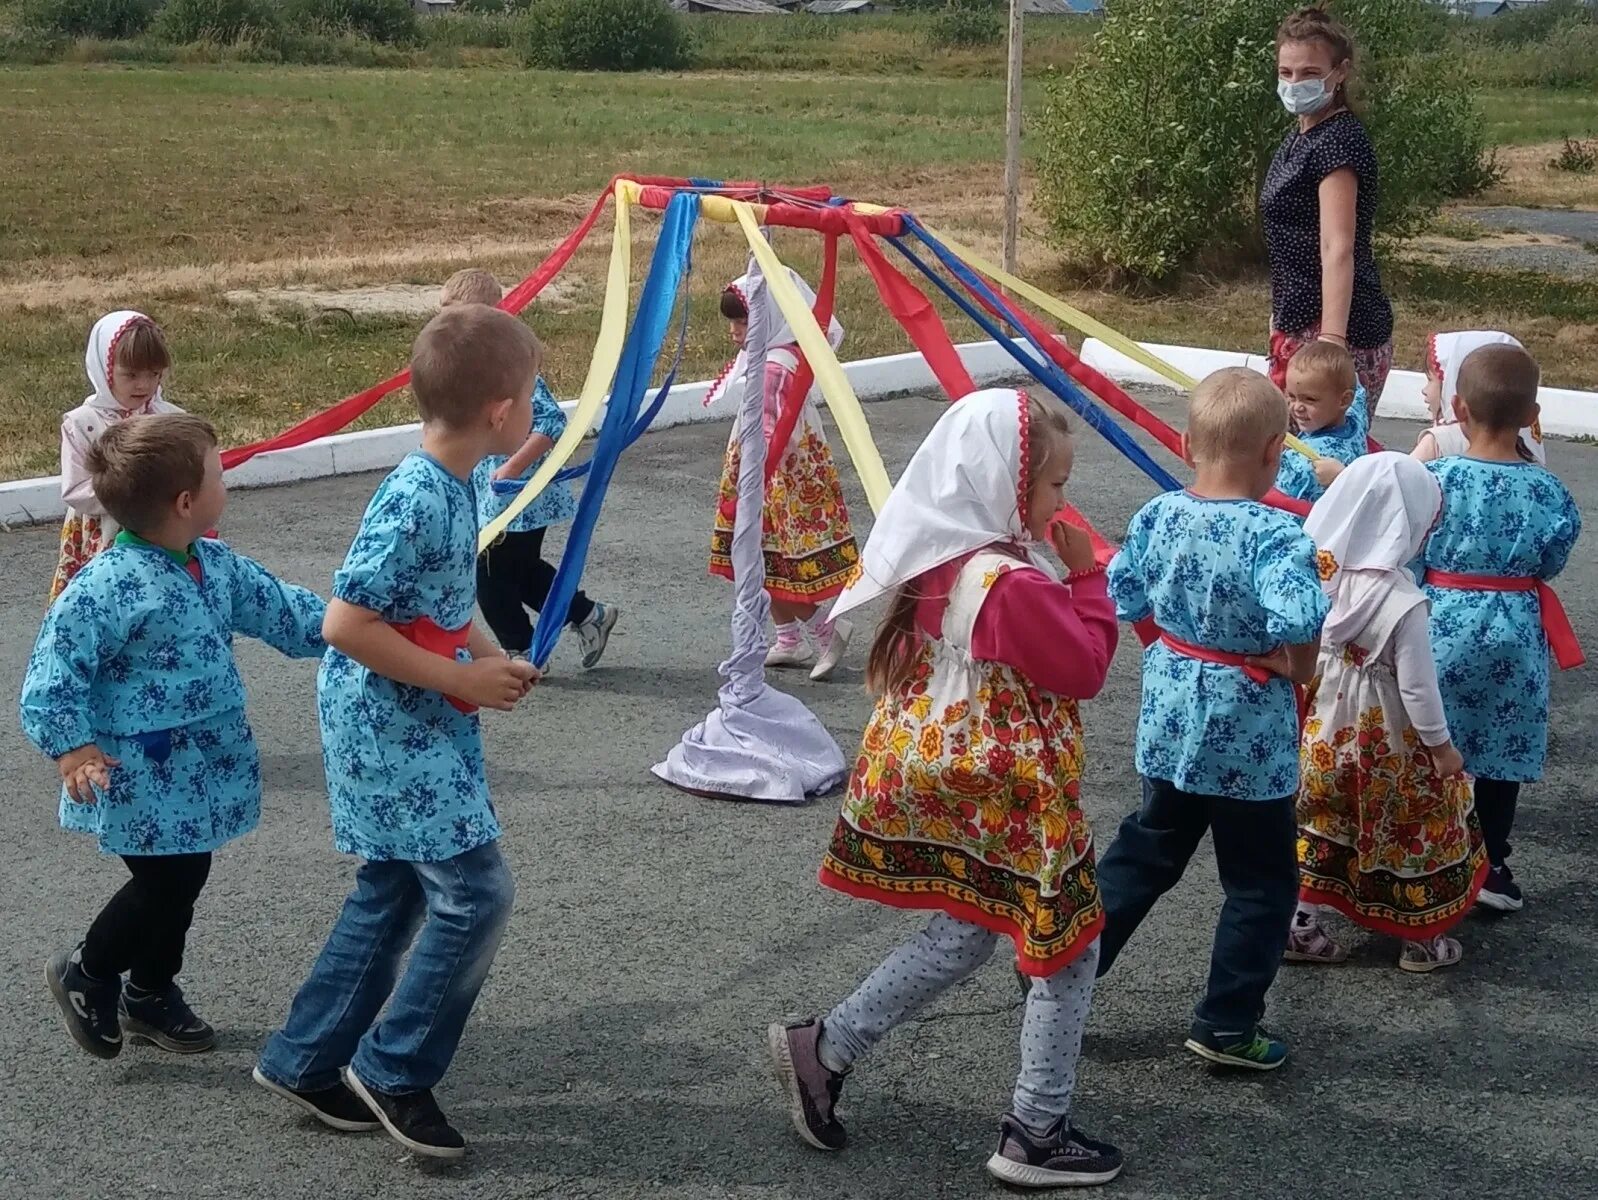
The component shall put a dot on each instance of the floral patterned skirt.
(809, 547)
(1381, 838)
(82, 537)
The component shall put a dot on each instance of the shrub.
(1538, 22)
(1579, 158)
(463, 30)
(603, 35)
(388, 21)
(1154, 148)
(89, 18)
(221, 21)
(966, 23)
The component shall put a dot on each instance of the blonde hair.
(468, 357)
(1327, 360)
(141, 465)
(471, 286)
(893, 651)
(1233, 414)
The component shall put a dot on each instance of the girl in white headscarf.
(809, 545)
(964, 799)
(126, 359)
(1445, 355)
(1388, 834)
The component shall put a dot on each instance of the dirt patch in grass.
(1529, 180)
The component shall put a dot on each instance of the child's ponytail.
(893, 653)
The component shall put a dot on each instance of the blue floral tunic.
(137, 657)
(1229, 575)
(554, 503)
(1510, 519)
(404, 766)
(1345, 441)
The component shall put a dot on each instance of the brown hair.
(1329, 361)
(1233, 413)
(141, 465)
(141, 346)
(733, 306)
(468, 357)
(471, 286)
(893, 651)
(1314, 24)
(1498, 385)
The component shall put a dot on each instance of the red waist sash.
(1556, 625)
(435, 639)
(1223, 658)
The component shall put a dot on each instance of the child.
(965, 796)
(1232, 586)
(126, 360)
(405, 762)
(1387, 832)
(133, 690)
(809, 547)
(1445, 354)
(1508, 526)
(512, 575)
(1327, 405)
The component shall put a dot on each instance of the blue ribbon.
(1041, 367)
(638, 358)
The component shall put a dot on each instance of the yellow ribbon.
(1080, 320)
(834, 384)
(601, 369)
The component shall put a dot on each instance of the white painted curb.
(1565, 412)
(28, 501)
(25, 501)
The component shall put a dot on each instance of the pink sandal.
(1308, 942)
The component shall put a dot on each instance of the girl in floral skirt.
(1388, 833)
(809, 546)
(964, 799)
(127, 359)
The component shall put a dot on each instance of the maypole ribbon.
(632, 373)
(834, 384)
(350, 409)
(1079, 320)
(601, 370)
(793, 402)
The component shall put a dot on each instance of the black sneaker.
(413, 1119)
(1062, 1157)
(1500, 891)
(810, 1088)
(89, 1006)
(335, 1106)
(165, 1019)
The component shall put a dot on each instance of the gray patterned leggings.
(940, 956)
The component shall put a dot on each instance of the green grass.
(1524, 116)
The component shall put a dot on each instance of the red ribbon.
(1555, 621)
(429, 635)
(1222, 658)
(793, 401)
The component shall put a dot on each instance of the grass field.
(200, 193)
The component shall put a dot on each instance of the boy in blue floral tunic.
(1233, 587)
(1507, 527)
(133, 690)
(398, 691)
(1327, 404)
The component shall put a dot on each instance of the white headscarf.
(781, 344)
(100, 353)
(1445, 355)
(964, 489)
(1367, 529)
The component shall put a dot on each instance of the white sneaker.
(789, 653)
(594, 633)
(832, 648)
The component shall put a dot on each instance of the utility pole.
(1012, 142)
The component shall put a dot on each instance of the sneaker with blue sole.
(1257, 1051)
(88, 1005)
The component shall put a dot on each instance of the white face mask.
(1304, 97)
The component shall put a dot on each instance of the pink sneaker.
(1430, 954)
(1308, 942)
(790, 649)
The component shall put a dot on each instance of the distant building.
(839, 8)
(426, 7)
(1061, 8)
(750, 8)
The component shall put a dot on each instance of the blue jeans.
(461, 906)
(1256, 855)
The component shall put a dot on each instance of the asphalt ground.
(617, 1049)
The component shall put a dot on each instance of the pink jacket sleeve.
(77, 489)
(1060, 635)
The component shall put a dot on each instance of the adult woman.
(1319, 205)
